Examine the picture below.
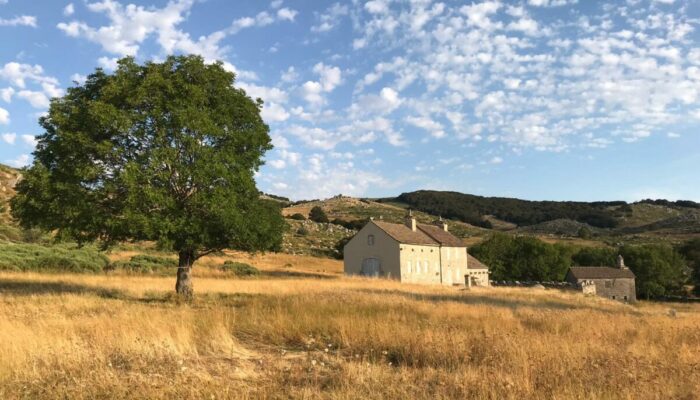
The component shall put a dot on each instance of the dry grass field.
(303, 331)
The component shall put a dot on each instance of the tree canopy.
(318, 215)
(161, 151)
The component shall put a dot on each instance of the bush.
(356, 224)
(298, 217)
(303, 231)
(147, 264)
(318, 215)
(60, 258)
(240, 269)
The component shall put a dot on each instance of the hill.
(655, 217)
(8, 178)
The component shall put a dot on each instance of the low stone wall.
(548, 284)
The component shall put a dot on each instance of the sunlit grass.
(325, 336)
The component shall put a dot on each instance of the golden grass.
(94, 336)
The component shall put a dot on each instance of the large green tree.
(161, 151)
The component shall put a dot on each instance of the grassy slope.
(349, 208)
(8, 178)
(69, 336)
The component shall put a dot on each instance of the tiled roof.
(440, 235)
(473, 263)
(600, 273)
(404, 234)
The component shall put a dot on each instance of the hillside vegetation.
(8, 179)
(615, 217)
(284, 337)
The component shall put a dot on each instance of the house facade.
(612, 283)
(412, 252)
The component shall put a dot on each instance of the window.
(370, 240)
(613, 297)
(408, 266)
(625, 297)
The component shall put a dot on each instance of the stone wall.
(622, 289)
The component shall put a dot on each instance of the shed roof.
(600, 273)
(473, 263)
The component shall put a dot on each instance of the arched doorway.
(371, 267)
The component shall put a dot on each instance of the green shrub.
(298, 217)
(240, 269)
(302, 231)
(59, 258)
(318, 215)
(146, 264)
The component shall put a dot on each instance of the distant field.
(304, 331)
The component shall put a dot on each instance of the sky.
(535, 99)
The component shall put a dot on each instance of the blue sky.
(537, 99)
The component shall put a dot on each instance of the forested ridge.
(472, 209)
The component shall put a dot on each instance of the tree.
(318, 215)
(659, 269)
(161, 151)
(691, 252)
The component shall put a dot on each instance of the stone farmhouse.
(612, 283)
(413, 252)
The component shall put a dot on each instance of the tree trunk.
(183, 287)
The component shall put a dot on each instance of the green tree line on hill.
(471, 209)
(660, 269)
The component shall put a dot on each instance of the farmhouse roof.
(403, 234)
(600, 273)
(440, 235)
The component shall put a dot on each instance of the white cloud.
(286, 14)
(108, 63)
(36, 99)
(330, 77)
(273, 112)
(496, 160)
(435, 128)
(9, 138)
(69, 10)
(21, 161)
(6, 94)
(129, 26)
(290, 75)
(551, 3)
(331, 18)
(29, 140)
(18, 74)
(24, 20)
(4, 116)
(383, 103)
(81, 79)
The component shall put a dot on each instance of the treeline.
(471, 209)
(666, 203)
(660, 269)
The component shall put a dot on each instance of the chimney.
(410, 221)
(442, 224)
(621, 262)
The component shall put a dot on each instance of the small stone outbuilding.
(612, 283)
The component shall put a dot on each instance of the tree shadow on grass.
(295, 274)
(485, 299)
(19, 287)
